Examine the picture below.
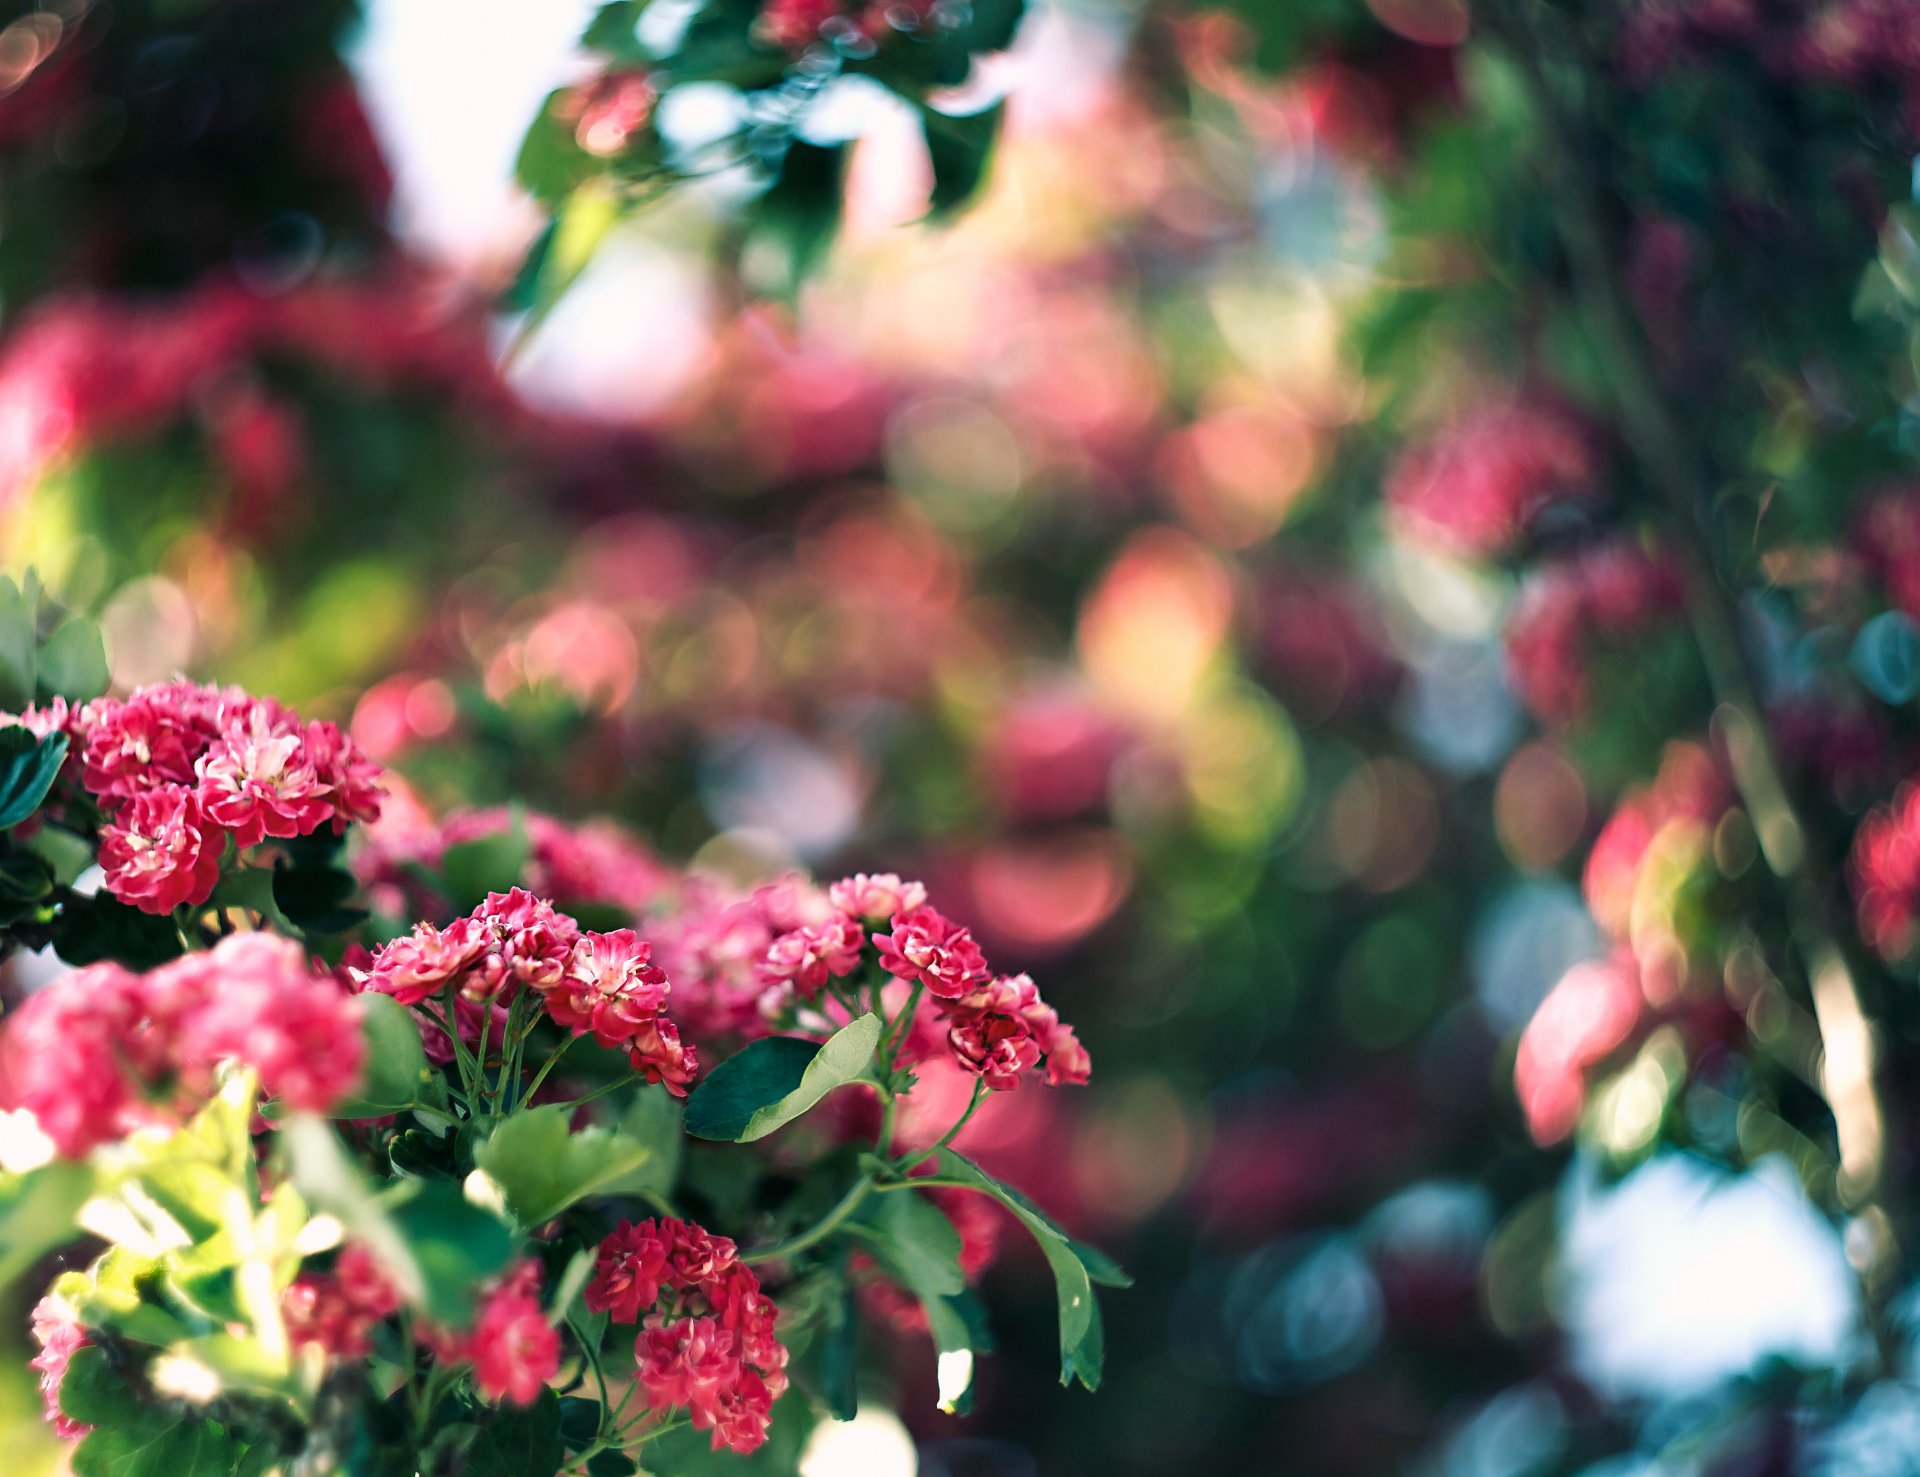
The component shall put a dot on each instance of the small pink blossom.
(927, 947)
(162, 851)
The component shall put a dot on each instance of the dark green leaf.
(73, 662)
(840, 1359)
(772, 1081)
(28, 768)
(921, 1243)
(317, 900)
(612, 1464)
(132, 1438)
(579, 1421)
(613, 31)
(793, 224)
(520, 1441)
(960, 148)
(90, 929)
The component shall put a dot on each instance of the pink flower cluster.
(1478, 487)
(1884, 870)
(338, 1310)
(512, 1347)
(794, 25)
(59, 1334)
(103, 1051)
(998, 1028)
(179, 769)
(1601, 598)
(1586, 1016)
(79, 370)
(707, 1339)
(605, 984)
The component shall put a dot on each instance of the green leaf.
(73, 662)
(132, 1438)
(542, 1165)
(840, 1359)
(317, 899)
(397, 1075)
(90, 929)
(921, 1243)
(196, 1174)
(26, 882)
(795, 220)
(770, 1082)
(251, 888)
(36, 1213)
(18, 664)
(614, 30)
(960, 147)
(1082, 1339)
(579, 1421)
(492, 863)
(520, 1441)
(436, 1246)
(28, 768)
(652, 1120)
(612, 1464)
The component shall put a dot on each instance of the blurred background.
(1237, 562)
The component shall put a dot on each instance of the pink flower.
(135, 745)
(689, 1363)
(352, 779)
(67, 1057)
(529, 944)
(610, 987)
(423, 963)
(609, 110)
(1477, 487)
(1589, 1013)
(515, 1351)
(806, 958)
(59, 1334)
(162, 851)
(1884, 869)
(338, 1310)
(258, 780)
(928, 948)
(629, 1270)
(876, 898)
(657, 1053)
(254, 998)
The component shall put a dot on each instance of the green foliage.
(437, 1247)
(520, 1441)
(397, 1077)
(960, 147)
(470, 870)
(37, 1212)
(28, 767)
(135, 1438)
(770, 1082)
(90, 929)
(73, 662)
(541, 1165)
(794, 222)
(1082, 1338)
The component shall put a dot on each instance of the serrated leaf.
(72, 662)
(28, 767)
(772, 1081)
(132, 1438)
(542, 1165)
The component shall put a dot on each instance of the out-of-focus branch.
(1679, 476)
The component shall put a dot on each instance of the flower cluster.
(179, 770)
(512, 1347)
(707, 1340)
(1601, 598)
(605, 984)
(1479, 487)
(103, 1051)
(338, 1310)
(1884, 868)
(794, 25)
(997, 1027)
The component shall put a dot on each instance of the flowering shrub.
(407, 1197)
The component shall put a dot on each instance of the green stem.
(819, 1231)
(546, 1067)
(979, 1097)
